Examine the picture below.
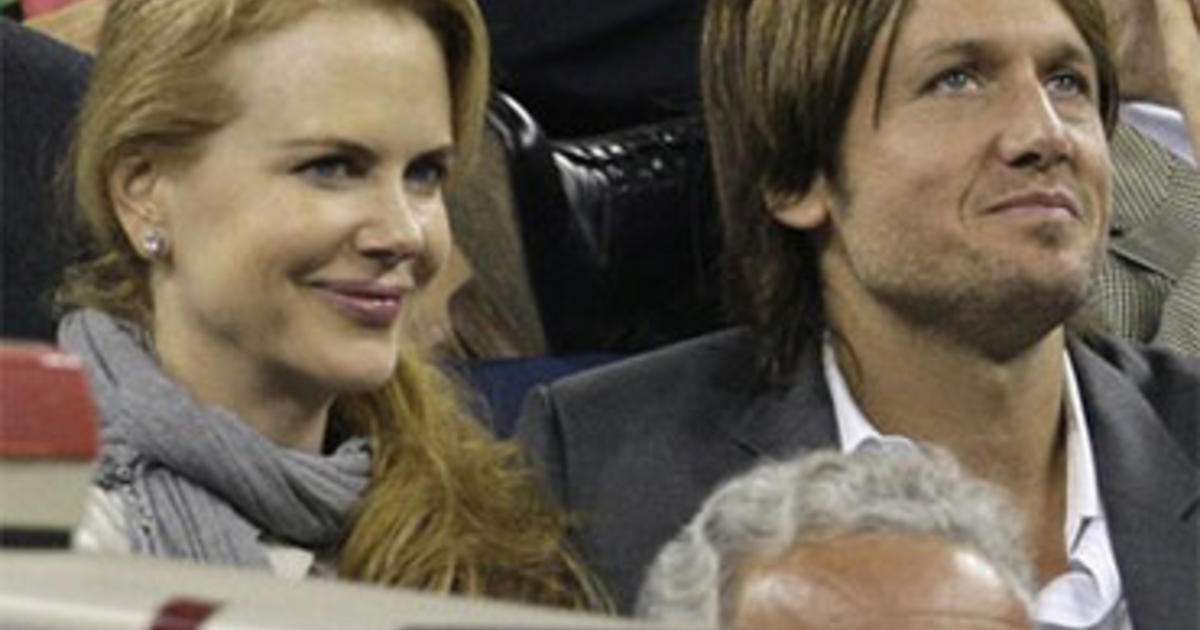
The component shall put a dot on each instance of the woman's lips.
(371, 305)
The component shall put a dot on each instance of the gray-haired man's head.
(886, 537)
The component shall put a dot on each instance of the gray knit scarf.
(197, 482)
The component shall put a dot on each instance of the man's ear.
(803, 212)
(134, 189)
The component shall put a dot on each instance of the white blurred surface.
(52, 590)
(43, 493)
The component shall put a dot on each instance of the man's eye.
(953, 80)
(331, 167)
(1068, 83)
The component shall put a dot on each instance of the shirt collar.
(1083, 499)
(853, 427)
(1089, 548)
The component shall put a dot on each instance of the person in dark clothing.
(43, 84)
(584, 67)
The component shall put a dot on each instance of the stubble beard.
(985, 303)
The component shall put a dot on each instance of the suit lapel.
(783, 423)
(1151, 496)
(1149, 487)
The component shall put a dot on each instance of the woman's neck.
(277, 404)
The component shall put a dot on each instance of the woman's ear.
(133, 188)
(803, 212)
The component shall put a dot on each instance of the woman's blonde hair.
(449, 508)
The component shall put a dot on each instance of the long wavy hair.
(449, 508)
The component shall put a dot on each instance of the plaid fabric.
(1148, 287)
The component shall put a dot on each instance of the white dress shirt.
(1088, 596)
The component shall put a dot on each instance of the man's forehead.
(867, 577)
(931, 28)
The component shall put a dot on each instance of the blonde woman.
(262, 186)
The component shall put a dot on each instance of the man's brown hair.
(779, 78)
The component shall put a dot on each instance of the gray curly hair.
(887, 488)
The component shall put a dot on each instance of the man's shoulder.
(707, 365)
(1150, 368)
(702, 373)
(1166, 380)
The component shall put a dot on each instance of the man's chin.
(1002, 321)
(1022, 317)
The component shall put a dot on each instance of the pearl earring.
(155, 244)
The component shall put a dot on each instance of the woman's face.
(301, 232)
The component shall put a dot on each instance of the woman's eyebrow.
(447, 153)
(326, 142)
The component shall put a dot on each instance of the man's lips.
(1038, 202)
(373, 304)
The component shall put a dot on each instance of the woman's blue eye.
(426, 176)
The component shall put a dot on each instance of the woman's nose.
(393, 229)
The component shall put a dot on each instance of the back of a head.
(800, 510)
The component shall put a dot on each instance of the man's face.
(974, 192)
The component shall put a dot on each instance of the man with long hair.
(915, 194)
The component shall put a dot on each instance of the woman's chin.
(356, 372)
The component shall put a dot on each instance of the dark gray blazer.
(632, 449)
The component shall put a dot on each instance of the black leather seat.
(620, 231)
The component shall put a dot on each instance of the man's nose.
(1034, 134)
(393, 229)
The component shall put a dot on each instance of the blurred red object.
(46, 408)
(37, 7)
(48, 442)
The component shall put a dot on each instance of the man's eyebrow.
(959, 48)
(1071, 54)
(1060, 53)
